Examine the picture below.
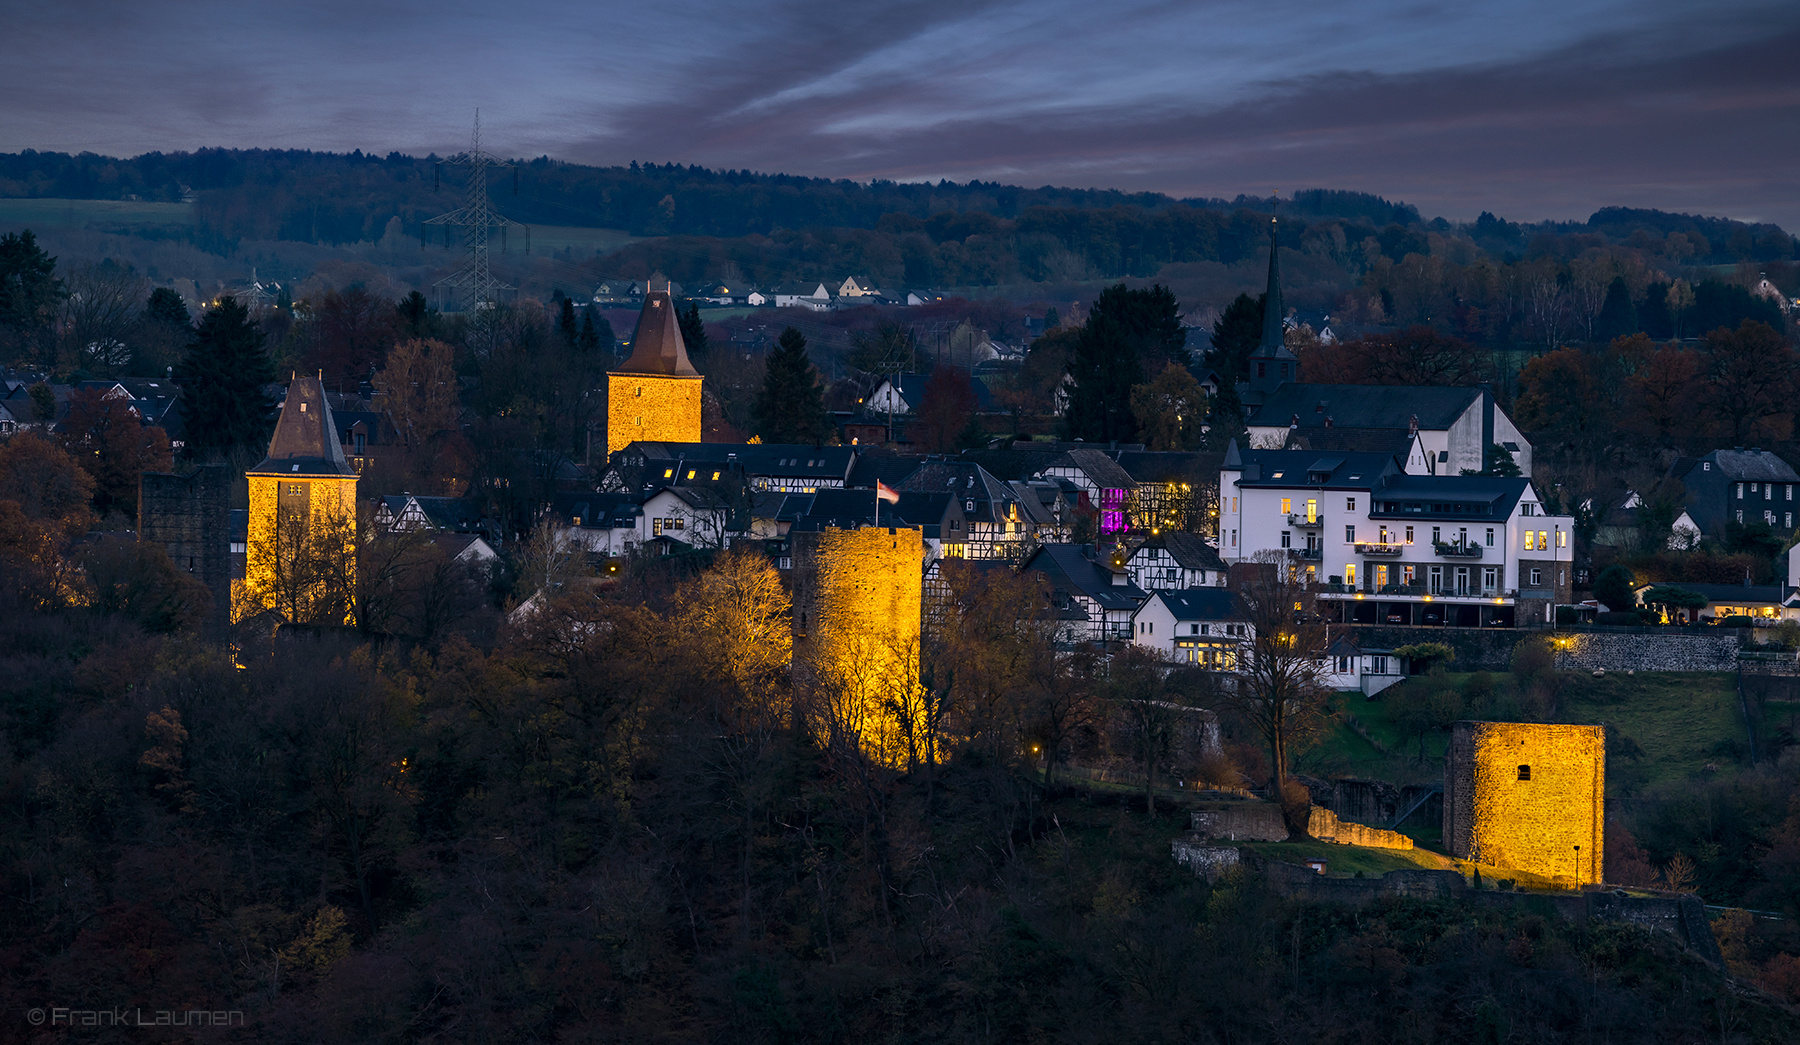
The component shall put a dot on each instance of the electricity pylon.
(474, 285)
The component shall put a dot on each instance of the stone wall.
(1591, 651)
(1208, 861)
(190, 516)
(1527, 796)
(1682, 916)
(1242, 822)
(651, 408)
(1324, 825)
(1374, 801)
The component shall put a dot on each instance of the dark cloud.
(1530, 108)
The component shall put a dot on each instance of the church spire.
(1273, 334)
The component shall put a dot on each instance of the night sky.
(1530, 109)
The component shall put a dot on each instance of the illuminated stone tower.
(1528, 797)
(857, 601)
(655, 396)
(300, 553)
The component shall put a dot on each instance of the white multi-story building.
(1386, 547)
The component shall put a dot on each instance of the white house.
(1385, 547)
(814, 296)
(1368, 671)
(858, 287)
(758, 298)
(1203, 626)
(1455, 425)
(696, 517)
(601, 523)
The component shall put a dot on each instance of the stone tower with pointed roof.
(301, 543)
(1272, 364)
(655, 396)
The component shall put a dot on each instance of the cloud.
(1531, 108)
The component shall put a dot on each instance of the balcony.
(1308, 554)
(1299, 520)
(1380, 549)
(1457, 551)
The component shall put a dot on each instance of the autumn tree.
(350, 331)
(945, 410)
(1752, 375)
(1169, 410)
(1418, 355)
(45, 498)
(737, 614)
(106, 435)
(1662, 394)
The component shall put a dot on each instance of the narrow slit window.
(1524, 772)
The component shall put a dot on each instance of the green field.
(1662, 727)
(1344, 861)
(548, 239)
(104, 215)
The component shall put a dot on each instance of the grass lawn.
(1343, 861)
(83, 214)
(1662, 727)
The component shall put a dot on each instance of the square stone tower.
(857, 601)
(300, 552)
(1527, 796)
(655, 395)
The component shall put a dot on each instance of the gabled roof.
(962, 479)
(912, 390)
(1102, 470)
(1072, 568)
(1742, 466)
(1170, 466)
(883, 466)
(1365, 406)
(306, 437)
(598, 511)
(1448, 497)
(1189, 550)
(656, 345)
(1203, 603)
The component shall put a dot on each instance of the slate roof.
(1365, 406)
(1189, 550)
(1072, 568)
(890, 468)
(1171, 466)
(1300, 468)
(1435, 496)
(1203, 603)
(1103, 470)
(1368, 440)
(785, 460)
(1743, 466)
(962, 479)
(306, 439)
(656, 345)
(598, 511)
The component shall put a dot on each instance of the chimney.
(1327, 420)
(1412, 426)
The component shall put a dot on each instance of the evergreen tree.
(791, 406)
(1128, 332)
(224, 403)
(1618, 316)
(589, 339)
(565, 323)
(1235, 336)
(693, 332)
(29, 294)
(415, 314)
(166, 306)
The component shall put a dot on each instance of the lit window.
(1544, 539)
(1350, 574)
(1409, 535)
(1287, 505)
(667, 472)
(690, 474)
(715, 477)
(1530, 540)
(1562, 538)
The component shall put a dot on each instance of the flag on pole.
(884, 492)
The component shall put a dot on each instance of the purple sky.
(1530, 108)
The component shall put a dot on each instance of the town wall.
(651, 408)
(858, 596)
(1263, 822)
(1527, 796)
(190, 516)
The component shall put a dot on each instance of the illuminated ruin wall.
(857, 601)
(649, 408)
(295, 520)
(1528, 797)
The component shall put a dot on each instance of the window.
(656, 527)
(715, 477)
(956, 524)
(1788, 489)
(1193, 629)
(1768, 491)
(639, 391)
(690, 474)
(1287, 539)
(1740, 515)
(1436, 573)
(1490, 578)
(1787, 520)
(1769, 517)
(1349, 535)
(1490, 537)
(1525, 508)
(1409, 539)
(1262, 369)
(668, 473)
(1740, 491)
(1437, 534)
(1312, 511)
(1530, 540)
(1377, 665)
(1544, 539)
(1349, 504)
(1409, 574)
(1234, 538)
(1524, 772)
(1234, 504)
(1537, 577)
(1287, 505)
(1350, 574)
(785, 563)
(1562, 538)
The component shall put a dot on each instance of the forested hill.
(338, 198)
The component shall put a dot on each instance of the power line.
(474, 284)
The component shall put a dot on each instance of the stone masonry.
(1527, 796)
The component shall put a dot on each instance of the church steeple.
(1272, 364)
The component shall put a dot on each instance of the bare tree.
(99, 315)
(1281, 684)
